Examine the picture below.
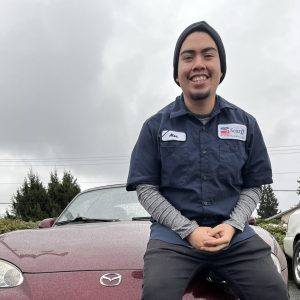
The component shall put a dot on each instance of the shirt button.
(204, 151)
(204, 177)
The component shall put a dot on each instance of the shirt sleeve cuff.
(188, 230)
(237, 225)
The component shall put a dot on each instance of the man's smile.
(198, 78)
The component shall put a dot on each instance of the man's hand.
(222, 234)
(199, 236)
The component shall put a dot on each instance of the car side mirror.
(47, 223)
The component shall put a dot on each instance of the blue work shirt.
(200, 169)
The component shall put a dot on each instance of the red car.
(94, 250)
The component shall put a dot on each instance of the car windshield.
(103, 204)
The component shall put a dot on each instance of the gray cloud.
(78, 78)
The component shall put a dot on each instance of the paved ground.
(293, 291)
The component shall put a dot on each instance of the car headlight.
(276, 262)
(10, 275)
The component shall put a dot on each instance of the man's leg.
(248, 268)
(168, 269)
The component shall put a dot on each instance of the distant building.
(284, 216)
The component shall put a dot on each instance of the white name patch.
(232, 132)
(170, 135)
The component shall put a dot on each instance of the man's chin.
(199, 96)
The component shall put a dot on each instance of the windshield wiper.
(85, 220)
(141, 218)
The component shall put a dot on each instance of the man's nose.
(198, 63)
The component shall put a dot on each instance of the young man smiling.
(198, 167)
(199, 72)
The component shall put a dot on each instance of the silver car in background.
(291, 244)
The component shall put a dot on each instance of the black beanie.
(203, 27)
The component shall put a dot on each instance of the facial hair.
(199, 96)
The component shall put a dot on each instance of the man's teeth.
(198, 78)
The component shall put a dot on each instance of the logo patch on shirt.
(170, 135)
(232, 132)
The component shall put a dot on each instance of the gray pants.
(246, 266)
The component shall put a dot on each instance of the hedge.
(276, 227)
(7, 225)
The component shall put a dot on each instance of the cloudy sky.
(79, 77)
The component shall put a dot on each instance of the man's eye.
(209, 56)
(187, 58)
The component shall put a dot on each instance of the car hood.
(77, 247)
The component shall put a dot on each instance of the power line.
(283, 146)
(64, 165)
(284, 150)
(285, 190)
(122, 180)
(59, 159)
(284, 153)
(80, 182)
(283, 173)
(289, 153)
(64, 161)
(67, 158)
(108, 159)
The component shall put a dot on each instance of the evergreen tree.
(34, 202)
(54, 193)
(31, 200)
(268, 204)
(61, 192)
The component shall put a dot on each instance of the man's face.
(199, 69)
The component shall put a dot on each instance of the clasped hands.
(211, 239)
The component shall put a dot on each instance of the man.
(198, 167)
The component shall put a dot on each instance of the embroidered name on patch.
(170, 135)
(232, 132)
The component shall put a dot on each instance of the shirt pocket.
(174, 162)
(231, 161)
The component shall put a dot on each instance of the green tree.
(61, 192)
(268, 204)
(31, 200)
(53, 191)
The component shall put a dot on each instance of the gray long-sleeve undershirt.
(166, 214)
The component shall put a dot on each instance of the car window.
(106, 203)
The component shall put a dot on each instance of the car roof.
(102, 187)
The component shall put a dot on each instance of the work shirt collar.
(180, 109)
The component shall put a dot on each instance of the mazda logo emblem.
(111, 279)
